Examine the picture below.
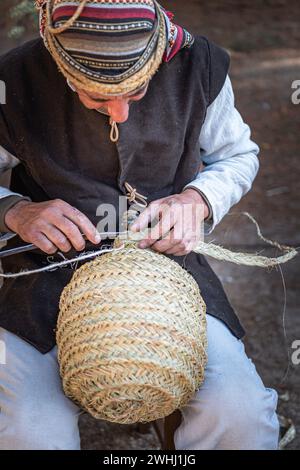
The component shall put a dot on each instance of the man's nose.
(118, 110)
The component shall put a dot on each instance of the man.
(165, 105)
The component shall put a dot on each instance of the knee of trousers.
(230, 416)
(39, 427)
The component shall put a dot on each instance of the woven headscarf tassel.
(114, 132)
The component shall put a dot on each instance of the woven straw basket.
(131, 336)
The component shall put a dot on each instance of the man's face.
(116, 107)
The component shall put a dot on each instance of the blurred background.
(263, 38)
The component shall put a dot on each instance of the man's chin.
(119, 121)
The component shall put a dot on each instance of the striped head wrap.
(112, 47)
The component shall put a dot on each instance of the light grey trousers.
(231, 410)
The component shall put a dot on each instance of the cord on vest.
(114, 133)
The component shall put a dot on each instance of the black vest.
(66, 153)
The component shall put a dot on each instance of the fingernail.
(97, 237)
(134, 228)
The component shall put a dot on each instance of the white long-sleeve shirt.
(227, 151)
(229, 156)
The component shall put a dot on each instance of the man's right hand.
(51, 225)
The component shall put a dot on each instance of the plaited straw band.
(115, 85)
(131, 336)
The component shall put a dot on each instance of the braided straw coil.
(131, 336)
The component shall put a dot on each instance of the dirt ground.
(263, 37)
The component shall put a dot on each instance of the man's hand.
(178, 229)
(51, 225)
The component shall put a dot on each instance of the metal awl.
(31, 246)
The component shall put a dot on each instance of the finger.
(182, 252)
(43, 243)
(71, 231)
(173, 247)
(57, 238)
(167, 243)
(82, 222)
(175, 251)
(146, 217)
(162, 228)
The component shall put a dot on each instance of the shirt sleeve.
(229, 157)
(7, 198)
(7, 152)
(7, 162)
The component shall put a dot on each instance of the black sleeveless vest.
(66, 153)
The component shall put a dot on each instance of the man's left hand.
(178, 228)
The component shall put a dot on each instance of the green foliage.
(24, 17)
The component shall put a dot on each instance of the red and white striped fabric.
(110, 36)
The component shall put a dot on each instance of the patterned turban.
(111, 47)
